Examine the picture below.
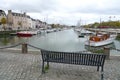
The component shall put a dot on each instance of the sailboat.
(82, 32)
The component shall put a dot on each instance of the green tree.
(3, 21)
(53, 25)
(95, 25)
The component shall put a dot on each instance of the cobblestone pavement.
(18, 66)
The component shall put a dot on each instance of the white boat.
(33, 32)
(81, 32)
(100, 39)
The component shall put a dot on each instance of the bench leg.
(102, 75)
(98, 68)
(43, 71)
(48, 64)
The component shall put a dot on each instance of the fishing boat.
(24, 34)
(100, 39)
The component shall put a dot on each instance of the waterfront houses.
(22, 21)
(18, 20)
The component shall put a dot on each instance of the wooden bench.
(77, 58)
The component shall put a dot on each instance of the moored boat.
(82, 33)
(100, 39)
(24, 34)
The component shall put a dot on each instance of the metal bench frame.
(77, 58)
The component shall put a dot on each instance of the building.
(22, 21)
(40, 24)
(29, 22)
(18, 20)
(33, 23)
(2, 15)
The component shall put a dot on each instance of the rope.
(115, 49)
(10, 46)
(33, 46)
(18, 45)
(36, 47)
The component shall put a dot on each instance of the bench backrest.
(90, 59)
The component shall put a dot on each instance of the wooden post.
(24, 48)
(107, 52)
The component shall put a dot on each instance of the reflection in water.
(7, 41)
(11, 40)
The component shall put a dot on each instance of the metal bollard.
(24, 48)
(107, 52)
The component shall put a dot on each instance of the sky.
(68, 12)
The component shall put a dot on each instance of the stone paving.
(19, 66)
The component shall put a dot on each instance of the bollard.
(24, 48)
(107, 52)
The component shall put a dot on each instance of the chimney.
(24, 13)
(9, 11)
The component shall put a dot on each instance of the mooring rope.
(33, 46)
(18, 45)
(10, 46)
(115, 49)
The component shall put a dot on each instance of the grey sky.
(66, 11)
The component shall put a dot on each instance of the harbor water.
(65, 41)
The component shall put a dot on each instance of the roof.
(2, 12)
(18, 14)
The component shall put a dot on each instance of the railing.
(10, 46)
(115, 49)
(24, 48)
(33, 46)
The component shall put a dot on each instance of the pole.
(107, 52)
(24, 48)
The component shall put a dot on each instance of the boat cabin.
(99, 37)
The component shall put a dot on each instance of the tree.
(53, 25)
(3, 21)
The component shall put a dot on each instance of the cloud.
(65, 11)
(29, 5)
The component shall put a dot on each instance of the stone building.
(18, 20)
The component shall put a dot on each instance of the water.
(66, 41)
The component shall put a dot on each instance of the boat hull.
(101, 43)
(24, 34)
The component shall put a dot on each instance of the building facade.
(2, 15)
(21, 21)
(18, 20)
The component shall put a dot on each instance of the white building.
(33, 24)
